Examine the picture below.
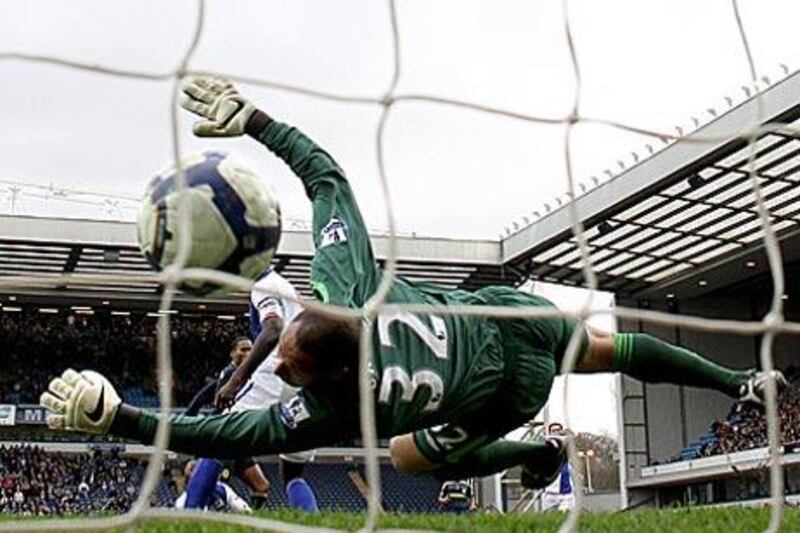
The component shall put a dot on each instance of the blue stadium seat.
(403, 493)
(335, 490)
(138, 397)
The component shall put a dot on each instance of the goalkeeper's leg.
(652, 360)
(435, 451)
(471, 446)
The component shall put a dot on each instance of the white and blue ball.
(235, 218)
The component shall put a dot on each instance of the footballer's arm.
(228, 436)
(266, 341)
(226, 113)
(336, 216)
(203, 397)
(88, 403)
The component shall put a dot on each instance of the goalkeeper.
(447, 388)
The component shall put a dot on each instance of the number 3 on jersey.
(435, 337)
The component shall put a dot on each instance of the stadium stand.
(745, 428)
(336, 491)
(35, 482)
(121, 346)
(49, 246)
(403, 493)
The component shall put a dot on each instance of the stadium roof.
(50, 247)
(682, 221)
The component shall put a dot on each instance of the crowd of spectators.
(745, 427)
(38, 483)
(36, 346)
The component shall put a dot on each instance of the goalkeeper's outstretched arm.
(228, 436)
(336, 216)
(87, 402)
(226, 113)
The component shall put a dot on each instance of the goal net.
(388, 102)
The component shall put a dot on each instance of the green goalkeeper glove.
(225, 111)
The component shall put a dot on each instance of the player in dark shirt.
(206, 396)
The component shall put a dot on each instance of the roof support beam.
(72, 259)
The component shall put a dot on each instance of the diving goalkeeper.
(447, 388)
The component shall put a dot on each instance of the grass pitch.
(727, 520)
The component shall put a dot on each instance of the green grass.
(727, 520)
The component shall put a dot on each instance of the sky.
(452, 172)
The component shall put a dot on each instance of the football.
(235, 219)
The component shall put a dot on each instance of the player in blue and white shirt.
(254, 385)
(559, 495)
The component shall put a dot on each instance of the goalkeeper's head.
(317, 350)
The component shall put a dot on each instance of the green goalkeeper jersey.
(428, 369)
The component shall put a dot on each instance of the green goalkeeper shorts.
(521, 336)
(521, 396)
(533, 350)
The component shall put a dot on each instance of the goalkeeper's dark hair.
(333, 342)
(237, 340)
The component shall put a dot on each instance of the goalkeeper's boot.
(545, 470)
(84, 401)
(754, 390)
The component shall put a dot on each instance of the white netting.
(772, 324)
